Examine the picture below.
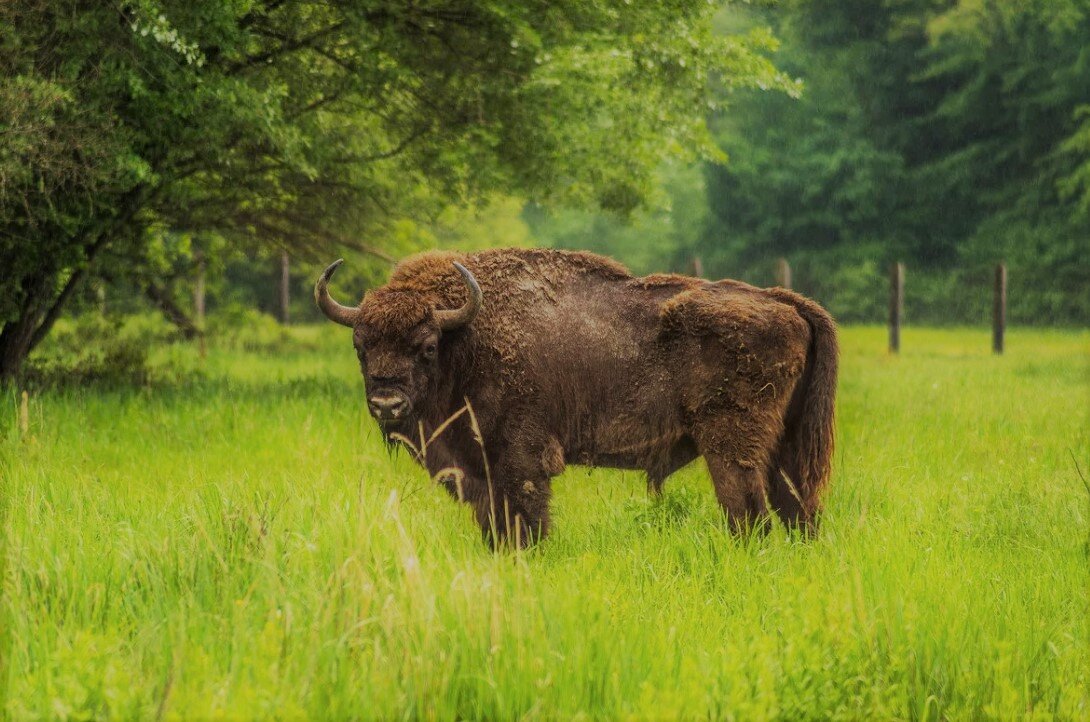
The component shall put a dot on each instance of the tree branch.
(163, 301)
(132, 203)
(265, 223)
(397, 149)
(284, 49)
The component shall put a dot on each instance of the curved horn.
(458, 317)
(343, 315)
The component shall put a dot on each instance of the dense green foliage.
(654, 239)
(146, 138)
(947, 135)
(137, 132)
(242, 546)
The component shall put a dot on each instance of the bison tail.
(806, 451)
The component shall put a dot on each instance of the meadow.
(240, 544)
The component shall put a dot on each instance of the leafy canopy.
(949, 135)
(310, 124)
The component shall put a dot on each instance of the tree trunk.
(19, 336)
(162, 299)
(41, 309)
(14, 348)
(199, 305)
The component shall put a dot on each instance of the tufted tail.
(806, 451)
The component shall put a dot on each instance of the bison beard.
(508, 364)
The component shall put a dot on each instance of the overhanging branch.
(286, 47)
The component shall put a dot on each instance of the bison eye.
(429, 351)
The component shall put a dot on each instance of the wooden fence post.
(999, 308)
(896, 305)
(198, 303)
(698, 267)
(783, 273)
(285, 287)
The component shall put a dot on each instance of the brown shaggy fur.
(573, 360)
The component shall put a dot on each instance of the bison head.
(397, 334)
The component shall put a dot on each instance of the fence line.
(897, 302)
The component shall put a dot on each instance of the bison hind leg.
(789, 505)
(737, 446)
(740, 490)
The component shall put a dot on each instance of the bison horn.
(458, 317)
(343, 315)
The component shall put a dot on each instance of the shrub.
(238, 328)
(93, 347)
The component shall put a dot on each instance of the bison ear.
(456, 318)
(334, 311)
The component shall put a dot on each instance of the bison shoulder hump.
(426, 270)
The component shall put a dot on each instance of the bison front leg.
(508, 517)
(510, 499)
(515, 518)
(517, 513)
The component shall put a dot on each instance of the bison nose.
(385, 408)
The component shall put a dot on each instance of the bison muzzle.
(500, 367)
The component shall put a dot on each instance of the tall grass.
(243, 546)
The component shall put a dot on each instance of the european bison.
(565, 357)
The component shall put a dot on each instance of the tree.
(945, 134)
(298, 124)
(658, 238)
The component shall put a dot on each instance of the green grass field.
(243, 546)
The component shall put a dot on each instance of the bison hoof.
(515, 535)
